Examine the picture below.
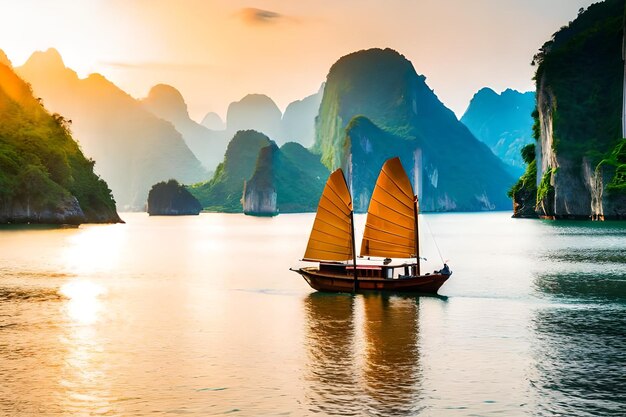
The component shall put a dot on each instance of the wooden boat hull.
(426, 284)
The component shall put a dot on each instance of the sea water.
(200, 315)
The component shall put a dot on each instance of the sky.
(215, 52)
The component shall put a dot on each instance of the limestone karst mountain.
(260, 178)
(224, 191)
(289, 179)
(257, 112)
(376, 106)
(579, 169)
(133, 148)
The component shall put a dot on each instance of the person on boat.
(445, 270)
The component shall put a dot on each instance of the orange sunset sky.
(215, 52)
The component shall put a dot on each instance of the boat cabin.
(370, 271)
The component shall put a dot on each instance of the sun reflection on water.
(94, 249)
(84, 375)
(84, 305)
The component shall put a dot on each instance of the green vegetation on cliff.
(617, 160)
(582, 68)
(524, 192)
(292, 174)
(41, 166)
(375, 106)
(224, 191)
(580, 171)
(375, 83)
(297, 176)
(457, 186)
(300, 179)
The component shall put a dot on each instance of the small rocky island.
(172, 199)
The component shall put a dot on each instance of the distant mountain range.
(133, 149)
(167, 103)
(213, 121)
(258, 112)
(372, 106)
(503, 122)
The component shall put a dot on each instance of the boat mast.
(356, 281)
(417, 238)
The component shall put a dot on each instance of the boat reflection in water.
(391, 372)
(331, 369)
(363, 354)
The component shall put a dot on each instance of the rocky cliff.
(259, 195)
(503, 122)
(172, 199)
(133, 148)
(44, 177)
(289, 179)
(580, 153)
(449, 167)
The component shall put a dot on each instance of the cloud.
(253, 16)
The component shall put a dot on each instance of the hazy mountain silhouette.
(133, 148)
(396, 114)
(298, 124)
(257, 112)
(167, 103)
(44, 177)
(502, 121)
(213, 121)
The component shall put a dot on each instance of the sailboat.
(391, 231)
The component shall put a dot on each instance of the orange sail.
(331, 237)
(391, 223)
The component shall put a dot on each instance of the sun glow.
(216, 52)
